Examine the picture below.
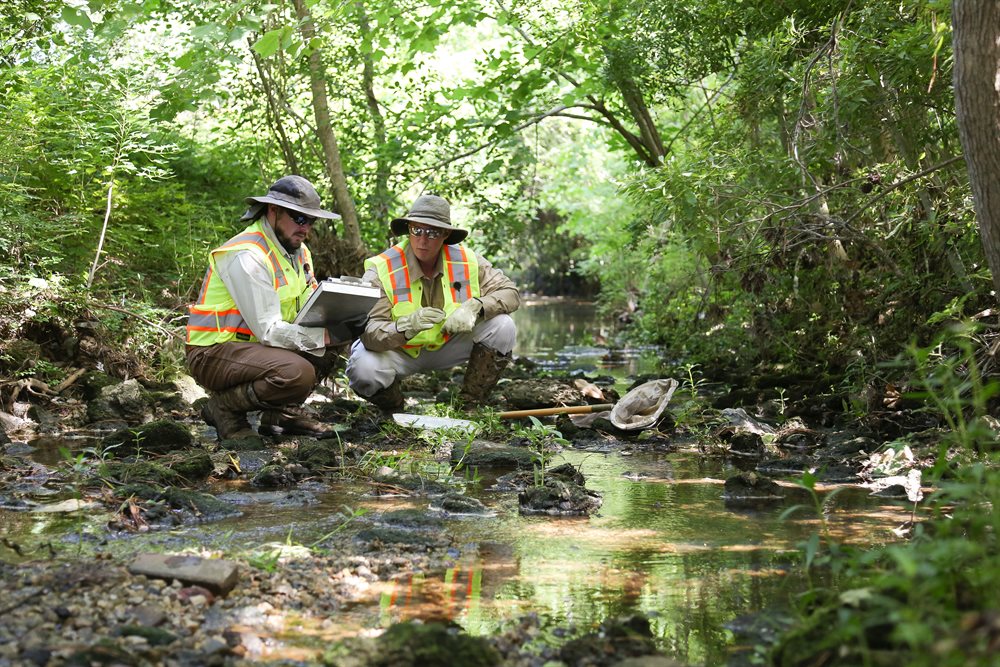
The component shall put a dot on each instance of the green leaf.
(268, 45)
(77, 17)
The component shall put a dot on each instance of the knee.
(366, 373)
(289, 382)
(499, 333)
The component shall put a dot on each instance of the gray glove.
(463, 319)
(419, 320)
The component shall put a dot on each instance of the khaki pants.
(279, 376)
(370, 371)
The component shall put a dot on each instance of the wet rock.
(416, 644)
(558, 498)
(138, 471)
(250, 443)
(193, 466)
(616, 640)
(795, 435)
(204, 505)
(158, 437)
(486, 454)
(272, 476)
(749, 489)
(316, 454)
(456, 503)
(389, 480)
(217, 575)
(405, 540)
(524, 479)
(412, 518)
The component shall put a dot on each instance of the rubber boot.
(388, 399)
(227, 411)
(293, 420)
(482, 373)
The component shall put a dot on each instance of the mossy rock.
(414, 483)
(193, 466)
(94, 382)
(315, 454)
(156, 437)
(558, 498)
(139, 471)
(486, 454)
(203, 504)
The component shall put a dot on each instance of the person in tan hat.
(241, 345)
(442, 305)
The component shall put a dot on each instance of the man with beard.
(241, 344)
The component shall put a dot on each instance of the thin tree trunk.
(380, 197)
(321, 109)
(274, 115)
(976, 43)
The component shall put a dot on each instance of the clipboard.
(337, 300)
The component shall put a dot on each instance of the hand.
(419, 320)
(464, 318)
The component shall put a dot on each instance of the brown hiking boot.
(389, 399)
(227, 412)
(293, 420)
(484, 369)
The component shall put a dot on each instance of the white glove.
(464, 318)
(419, 320)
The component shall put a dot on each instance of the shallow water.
(664, 543)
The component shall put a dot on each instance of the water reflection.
(569, 335)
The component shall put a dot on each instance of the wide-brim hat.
(292, 192)
(433, 211)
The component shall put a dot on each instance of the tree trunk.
(976, 42)
(334, 166)
(380, 197)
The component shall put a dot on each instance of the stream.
(663, 543)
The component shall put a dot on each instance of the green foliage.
(924, 601)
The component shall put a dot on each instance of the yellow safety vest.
(459, 282)
(214, 318)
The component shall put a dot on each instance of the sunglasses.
(429, 232)
(300, 219)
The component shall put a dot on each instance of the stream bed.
(664, 542)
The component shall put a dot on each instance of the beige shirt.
(498, 294)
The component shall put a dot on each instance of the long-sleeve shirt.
(251, 285)
(497, 292)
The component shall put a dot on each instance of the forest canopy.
(776, 182)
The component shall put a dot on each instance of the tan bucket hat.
(429, 210)
(292, 192)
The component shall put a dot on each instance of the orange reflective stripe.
(204, 286)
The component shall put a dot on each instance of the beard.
(289, 243)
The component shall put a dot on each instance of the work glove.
(464, 318)
(419, 320)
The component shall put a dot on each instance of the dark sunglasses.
(300, 219)
(429, 232)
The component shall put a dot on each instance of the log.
(559, 410)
